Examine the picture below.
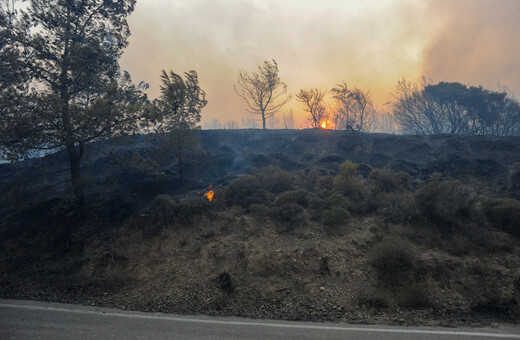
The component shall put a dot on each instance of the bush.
(335, 216)
(503, 213)
(414, 296)
(275, 180)
(300, 197)
(165, 210)
(245, 191)
(316, 207)
(288, 212)
(393, 260)
(386, 180)
(446, 203)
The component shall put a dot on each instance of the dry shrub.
(503, 213)
(300, 197)
(393, 261)
(386, 180)
(448, 203)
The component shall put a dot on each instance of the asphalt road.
(38, 320)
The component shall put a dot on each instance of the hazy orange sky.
(369, 44)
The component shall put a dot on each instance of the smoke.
(317, 45)
(477, 45)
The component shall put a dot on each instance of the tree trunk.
(181, 176)
(75, 172)
(263, 120)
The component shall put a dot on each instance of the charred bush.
(503, 213)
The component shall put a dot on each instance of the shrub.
(316, 207)
(245, 191)
(386, 180)
(165, 210)
(261, 210)
(445, 203)
(288, 212)
(300, 197)
(275, 180)
(503, 213)
(335, 216)
(414, 296)
(393, 260)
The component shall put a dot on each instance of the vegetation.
(176, 114)
(66, 88)
(262, 92)
(454, 108)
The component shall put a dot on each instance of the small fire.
(323, 125)
(209, 195)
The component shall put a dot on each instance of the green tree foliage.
(262, 92)
(68, 52)
(177, 113)
(454, 108)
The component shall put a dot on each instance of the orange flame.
(323, 125)
(209, 195)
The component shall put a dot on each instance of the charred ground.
(312, 224)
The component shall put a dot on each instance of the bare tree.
(262, 92)
(354, 109)
(313, 100)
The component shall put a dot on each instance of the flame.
(323, 125)
(209, 195)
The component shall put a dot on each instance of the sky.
(368, 44)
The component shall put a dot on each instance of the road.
(38, 320)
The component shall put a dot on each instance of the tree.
(177, 113)
(353, 108)
(313, 101)
(454, 108)
(69, 52)
(262, 92)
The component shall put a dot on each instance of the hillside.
(304, 225)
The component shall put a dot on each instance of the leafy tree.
(454, 108)
(313, 101)
(177, 113)
(262, 92)
(69, 52)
